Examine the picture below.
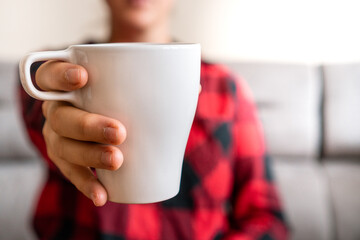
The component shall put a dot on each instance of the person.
(227, 190)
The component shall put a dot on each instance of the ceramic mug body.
(150, 88)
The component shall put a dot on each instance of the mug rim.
(137, 45)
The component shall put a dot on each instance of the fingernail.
(106, 159)
(73, 75)
(111, 134)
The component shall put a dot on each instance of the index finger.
(60, 76)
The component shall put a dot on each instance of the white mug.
(150, 88)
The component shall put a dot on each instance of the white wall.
(27, 25)
(309, 31)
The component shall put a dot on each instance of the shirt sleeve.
(256, 209)
(31, 110)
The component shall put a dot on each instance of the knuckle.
(51, 156)
(54, 118)
(59, 148)
(55, 147)
(85, 156)
(45, 130)
(84, 124)
(45, 108)
(48, 141)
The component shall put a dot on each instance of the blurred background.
(310, 31)
(301, 59)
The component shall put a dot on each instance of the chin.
(138, 3)
(140, 14)
(138, 19)
(137, 24)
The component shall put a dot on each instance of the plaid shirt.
(227, 190)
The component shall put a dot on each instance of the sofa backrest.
(288, 98)
(14, 142)
(342, 110)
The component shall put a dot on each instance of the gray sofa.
(21, 171)
(311, 117)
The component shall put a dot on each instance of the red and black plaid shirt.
(227, 190)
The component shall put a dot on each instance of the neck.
(124, 33)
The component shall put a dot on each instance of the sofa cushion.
(288, 100)
(304, 190)
(342, 110)
(20, 185)
(344, 177)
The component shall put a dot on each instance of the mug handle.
(26, 81)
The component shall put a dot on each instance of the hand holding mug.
(149, 89)
(71, 134)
